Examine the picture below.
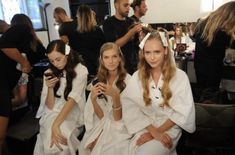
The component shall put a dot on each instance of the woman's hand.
(50, 82)
(96, 91)
(164, 138)
(56, 137)
(144, 138)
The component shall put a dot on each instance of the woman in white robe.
(157, 102)
(105, 131)
(62, 102)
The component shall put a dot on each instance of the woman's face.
(57, 59)
(154, 53)
(178, 31)
(111, 59)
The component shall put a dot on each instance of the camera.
(180, 47)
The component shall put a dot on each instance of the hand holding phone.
(49, 74)
(94, 82)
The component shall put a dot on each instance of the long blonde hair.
(86, 19)
(168, 71)
(103, 73)
(221, 19)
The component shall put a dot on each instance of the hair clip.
(163, 38)
(67, 49)
(141, 45)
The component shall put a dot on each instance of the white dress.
(74, 119)
(137, 116)
(113, 137)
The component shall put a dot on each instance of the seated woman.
(62, 102)
(157, 102)
(105, 131)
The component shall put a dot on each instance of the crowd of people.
(139, 102)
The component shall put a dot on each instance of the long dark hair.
(22, 19)
(72, 61)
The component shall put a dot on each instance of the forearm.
(123, 40)
(50, 99)
(68, 106)
(117, 107)
(97, 109)
(14, 54)
(161, 129)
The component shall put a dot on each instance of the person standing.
(121, 29)
(140, 8)
(213, 35)
(67, 26)
(161, 105)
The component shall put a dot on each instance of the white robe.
(137, 116)
(74, 119)
(113, 137)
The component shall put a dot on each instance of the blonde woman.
(157, 102)
(105, 130)
(213, 35)
(88, 38)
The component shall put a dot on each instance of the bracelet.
(118, 108)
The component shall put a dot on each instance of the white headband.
(163, 38)
(141, 45)
(67, 49)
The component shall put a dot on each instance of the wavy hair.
(72, 61)
(103, 73)
(221, 19)
(168, 71)
(86, 19)
(22, 19)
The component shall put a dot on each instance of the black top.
(19, 37)
(208, 60)
(135, 19)
(67, 29)
(113, 30)
(88, 45)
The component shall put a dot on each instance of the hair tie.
(67, 49)
(141, 45)
(163, 38)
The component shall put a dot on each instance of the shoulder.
(180, 77)
(81, 69)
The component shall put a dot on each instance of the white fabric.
(74, 119)
(137, 116)
(113, 137)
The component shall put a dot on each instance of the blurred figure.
(89, 38)
(67, 26)
(213, 35)
(121, 29)
(3, 26)
(140, 9)
(19, 38)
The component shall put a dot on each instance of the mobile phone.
(94, 82)
(49, 74)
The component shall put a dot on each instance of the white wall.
(171, 11)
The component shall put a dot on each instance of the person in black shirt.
(67, 26)
(213, 35)
(89, 38)
(19, 38)
(121, 30)
(140, 9)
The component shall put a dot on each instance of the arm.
(14, 54)
(117, 107)
(65, 39)
(124, 39)
(94, 94)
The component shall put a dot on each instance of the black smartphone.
(94, 82)
(49, 74)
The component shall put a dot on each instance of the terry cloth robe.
(74, 119)
(137, 116)
(112, 135)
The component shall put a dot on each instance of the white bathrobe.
(113, 137)
(74, 119)
(137, 116)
